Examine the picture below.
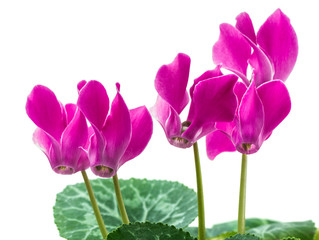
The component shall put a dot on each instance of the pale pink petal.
(45, 111)
(42, 141)
(94, 103)
(232, 50)
(142, 129)
(171, 82)
(218, 142)
(276, 101)
(251, 116)
(245, 26)
(279, 40)
(196, 131)
(167, 117)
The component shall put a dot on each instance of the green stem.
(242, 195)
(200, 195)
(95, 207)
(119, 198)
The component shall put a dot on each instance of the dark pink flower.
(62, 132)
(119, 134)
(212, 100)
(264, 99)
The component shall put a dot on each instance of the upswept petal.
(214, 100)
(45, 111)
(206, 75)
(218, 142)
(167, 117)
(276, 101)
(83, 162)
(239, 90)
(173, 124)
(94, 103)
(262, 67)
(80, 85)
(70, 110)
(227, 127)
(251, 116)
(196, 131)
(42, 141)
(245, 26)
(117, 133)
(73, 139)
(232, 50)
(279, 40)
(171, 82)
(142, 129)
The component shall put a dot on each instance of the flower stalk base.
(242, 196)
(200, 195)
(119, 198)
(95, 207)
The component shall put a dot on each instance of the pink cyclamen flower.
(264, 101)
(119, 135)
(62, 132)
(212, 100)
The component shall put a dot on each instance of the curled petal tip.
(118, 86)
(81, 84)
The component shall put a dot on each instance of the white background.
(58, 43)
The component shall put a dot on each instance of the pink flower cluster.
(235, 111)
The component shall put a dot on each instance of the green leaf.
(148, 231)
(243, 237)
(290, 238)
(225, 227)
(316, 237)
(222, 236)
(145, 200)
(303, 230)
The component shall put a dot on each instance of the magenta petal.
(208, 74)
(240, 89)
(218, 142)
(214, 100)
(262, 67)
(94, 103)
(73, 139)
(171, 82)
(80, 85)
(167, 117)
(251, 116)
(232, 50)
(70, 110)
(42, 140)
(196, 131)
(45, 111)
(276, 101)
(117, 132)
(245, 26)
(142, 129)
(83, 162)
(279, 40)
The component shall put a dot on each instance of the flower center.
(246, 146)
(180, 140)
(64, 170)
(103, 169)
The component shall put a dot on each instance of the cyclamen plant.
(235, 112)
